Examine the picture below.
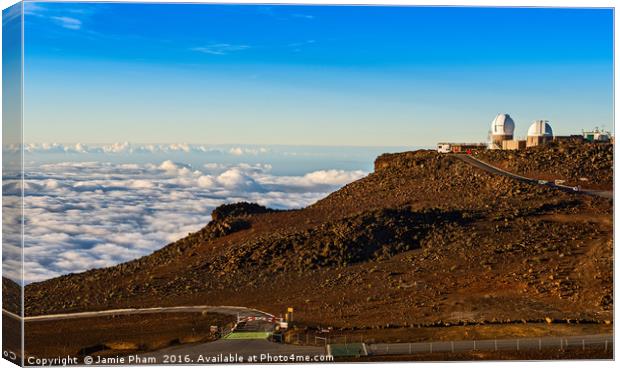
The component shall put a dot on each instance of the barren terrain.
(589, 165)
(424, 240)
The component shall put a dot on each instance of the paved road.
(496, 170)
(258, 346)
(247, 341)
(583, 342)
(261, 348)
(228, 310)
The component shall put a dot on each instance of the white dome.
(540, 128)
(502, 125)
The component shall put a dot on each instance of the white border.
(490, 3)
(472, 3)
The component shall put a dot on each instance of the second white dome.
(540, 128)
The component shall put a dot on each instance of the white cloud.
(219, 48)
(81, 215)
(239, 151)
(31, 8)
(333, 177)
(237, 179)
(128, 148)
(177, 169)
(117, 148)
(213, 166)
(68, 22)
(140, 184)
(169, 166)
(206, 181)
(315, 178)
(51, 184)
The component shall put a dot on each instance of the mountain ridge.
(424, 236)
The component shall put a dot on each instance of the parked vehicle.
(444, 148)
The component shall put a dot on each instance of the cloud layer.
(81, 215)
(127, 148)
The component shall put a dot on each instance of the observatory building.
(501, 136)
(596, 135)
(539, 132)
(502, 129)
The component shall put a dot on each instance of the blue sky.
(311, 75)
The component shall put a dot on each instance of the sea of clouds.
(127, 148)
(80, 215)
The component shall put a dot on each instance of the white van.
(444, 148)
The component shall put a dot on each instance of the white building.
(596, 135)
(539, 132)
(502, 129)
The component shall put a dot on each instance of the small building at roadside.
(445, 147)
(597, 135)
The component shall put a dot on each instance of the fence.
(562, 343)
(604, 342)
(314, 339)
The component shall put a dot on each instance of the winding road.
(469, 159)
(251, 340)
(228, 310)
(247, 341)
(260, 350)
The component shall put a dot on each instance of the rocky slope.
(425, 239)
(590, 165)
(11, 296)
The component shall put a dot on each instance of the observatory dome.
(502, 125)
(540, 128)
